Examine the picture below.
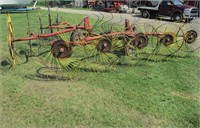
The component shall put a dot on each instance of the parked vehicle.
(120, 6)
(175, 9)
(4, 4)
(195, 3)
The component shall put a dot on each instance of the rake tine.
(96, 20)
(100, 19)
(120, 19)
(108, 20)
(40, 22)
(28, 32)
(57, 21)
(49, 19)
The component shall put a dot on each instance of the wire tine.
(101, 18)
(71, 18)
(40, 21)
(29, 31)
(62, 65)
(108, 19)
(28, 23)
(96, 20)
(120, 19)
(48, 58)
(100, 57)
(106, 57)
(49, 18)
(57, 20)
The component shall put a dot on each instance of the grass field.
(152, 94)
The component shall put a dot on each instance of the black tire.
(188, 20)
(145, 14)
(153, 15)
(90, 6)
(177, 17)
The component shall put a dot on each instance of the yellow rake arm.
(10, 39)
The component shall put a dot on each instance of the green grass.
(150, 94)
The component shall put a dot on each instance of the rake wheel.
(140, 41)
(167, 39)
(104, 45)
(58, 56)
(100, 55)
(190, 36)
(145, 49)
(10, 39)
(60, 49)
(76, 36)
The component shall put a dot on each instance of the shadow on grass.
(43, 77)
(6, 64)
(46, 74)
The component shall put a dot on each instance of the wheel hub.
(104, 45)
(190, 36)
(60, 49)
(177, 18)
(145, 14)
(77, 36)
(140, 41)
(167, 39)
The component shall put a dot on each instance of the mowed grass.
(150, 94)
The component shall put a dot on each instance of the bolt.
(61, 49)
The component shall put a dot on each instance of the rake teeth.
(58, 65)
(191, 38)
(144, 31)
(99, 54)
(66, 50)
(169, 41)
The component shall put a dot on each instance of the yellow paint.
(10, 36)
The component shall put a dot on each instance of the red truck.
(175, 9)
(195, 3)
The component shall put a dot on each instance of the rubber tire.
(188, 20)
(145, 14)
(175, 16)
(153, 15)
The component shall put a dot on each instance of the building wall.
(78, 3)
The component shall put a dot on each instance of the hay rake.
(105, 48)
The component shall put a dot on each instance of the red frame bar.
(86, 21)
(34, 36)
